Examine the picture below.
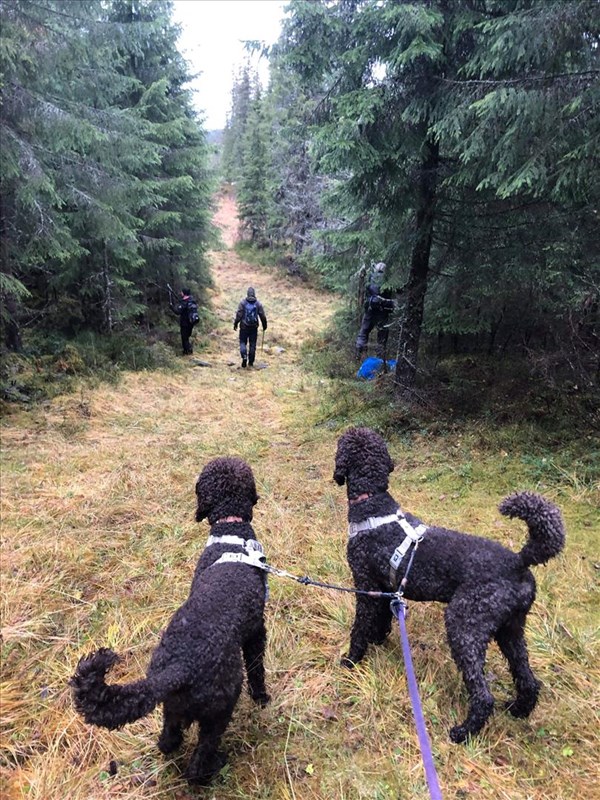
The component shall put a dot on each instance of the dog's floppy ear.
(339, 477)
(204, 503)
(341, 467)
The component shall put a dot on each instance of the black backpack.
(251, 314)
(192, 311)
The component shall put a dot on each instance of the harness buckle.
(396, 558)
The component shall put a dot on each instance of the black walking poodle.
(488, 588)
(196, 671)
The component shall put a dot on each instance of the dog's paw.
(459, 734)
(347, 662)
(203, 773)
(168, 743)
(261, 699)
(518, 709)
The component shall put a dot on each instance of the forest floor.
(99, 546)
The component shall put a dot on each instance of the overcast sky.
(211, 40)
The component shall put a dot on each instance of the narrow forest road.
(295, 312)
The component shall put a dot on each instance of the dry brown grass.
(99, 548)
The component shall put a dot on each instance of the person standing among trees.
(249, 311)
(187, 311)
(377, 309)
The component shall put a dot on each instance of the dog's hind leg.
(172, 731)
(254, 652)
(207, 759)
(469, 630)
(511, 641)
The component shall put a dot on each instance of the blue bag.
(372, 367)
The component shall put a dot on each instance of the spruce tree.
(253, 198)
(244, 89)
(105, 189)
(437, 124)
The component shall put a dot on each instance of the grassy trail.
(99, 547)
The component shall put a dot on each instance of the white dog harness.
(253, 554)
(412, 536)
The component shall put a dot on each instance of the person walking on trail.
(187, 311)
(377, 309)
(250, 311)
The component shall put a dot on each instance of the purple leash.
(399, 611)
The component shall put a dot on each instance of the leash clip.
(398, 604)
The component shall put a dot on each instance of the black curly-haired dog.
(488, 588)
(196, 671)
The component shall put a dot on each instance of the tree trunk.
(412, 320)
(108, 301)
(12, 331)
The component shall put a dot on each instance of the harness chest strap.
(411, 536)
(227, 539)
(371, 523)
(253, 556)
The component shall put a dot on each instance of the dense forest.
(456, 141)
(105, 181)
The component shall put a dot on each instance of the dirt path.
(295, 312)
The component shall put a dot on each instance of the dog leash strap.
(398, 607)
(306, 581)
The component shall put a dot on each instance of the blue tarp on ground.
(372, 367)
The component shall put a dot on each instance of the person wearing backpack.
(250, 311)
(187, 311)
(377, 309)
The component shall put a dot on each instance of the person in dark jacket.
(249, 312)
(378, 307)
(187, 311)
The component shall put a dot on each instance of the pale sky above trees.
(212, 41)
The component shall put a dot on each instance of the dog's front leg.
(372, 624)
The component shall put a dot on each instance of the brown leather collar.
(229, 519)
(352, 501)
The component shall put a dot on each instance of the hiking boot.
(251, 362)
(243, 363)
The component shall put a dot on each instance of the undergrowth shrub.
(280, 259)
(53, 365)
(453, 389)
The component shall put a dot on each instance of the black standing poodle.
(196, 671)
(488, 588)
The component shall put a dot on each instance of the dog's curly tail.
(113, 705)
(544, 520)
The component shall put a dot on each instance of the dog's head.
(225, 488)
(362, 462)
